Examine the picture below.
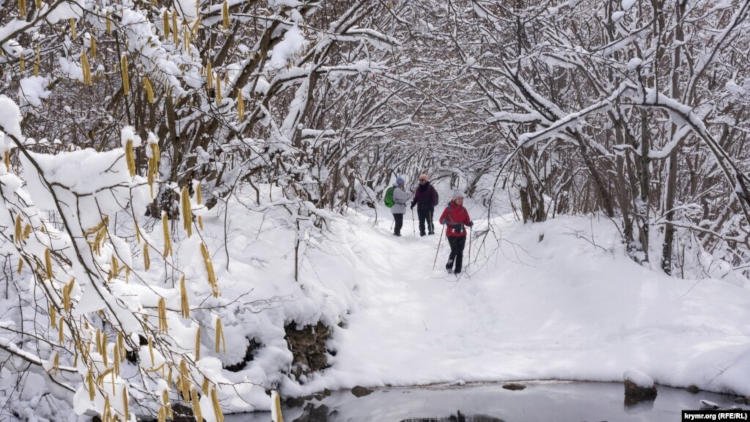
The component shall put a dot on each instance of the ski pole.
(438, 248)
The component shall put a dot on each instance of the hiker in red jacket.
(456, 218)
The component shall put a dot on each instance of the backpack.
(388, 199)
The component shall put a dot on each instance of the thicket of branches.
(635, 109)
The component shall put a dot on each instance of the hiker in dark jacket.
(425, 198)
(456, 218)
(400, 198)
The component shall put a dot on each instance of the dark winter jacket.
(455, 217)
(426, 197)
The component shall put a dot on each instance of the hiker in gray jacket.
(400, 198)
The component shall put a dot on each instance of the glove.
(471, 224)
(412, 206)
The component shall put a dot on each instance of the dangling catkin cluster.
(22, 9)
(130, 157)
(218, 90)
(196, 405)
(66, 295)
(184, 304)
(92, 46)
(85, 68)
(103, 350)
(165, 399)
(184, 381)
(73, 34)
(61, 332)
(225, 14)
(220, 339)
(167, 238)
(153, 166)
(6, 159)
(101, 232)
(126, 411)
(18, 236)
(121, 346)
(240, 106)
(149, 90)
(218, 414)
(187, 211)
(163, 316)
(124, 74)
(210, 270)
(209, 77)
(198, 343)
(55, 363)
(146, 258)
(114, 268)
(116, 359)
(186, 38)
(175, 34)
(90, 383)
(109, 24)
(53, 316)
(107, 412)
(165, 24)
(48, 263)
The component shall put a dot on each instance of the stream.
(539, 401)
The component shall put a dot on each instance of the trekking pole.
(413, 229)
(471, 234)
(438, 248)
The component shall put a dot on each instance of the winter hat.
(457, 194)
(399, 181)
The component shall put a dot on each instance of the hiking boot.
(421, 234)
(431, 233)
(449, 265)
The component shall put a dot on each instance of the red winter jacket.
(455, 214)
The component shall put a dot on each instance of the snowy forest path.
(409, 311)
(545, 304)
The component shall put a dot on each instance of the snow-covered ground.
(556, 300)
